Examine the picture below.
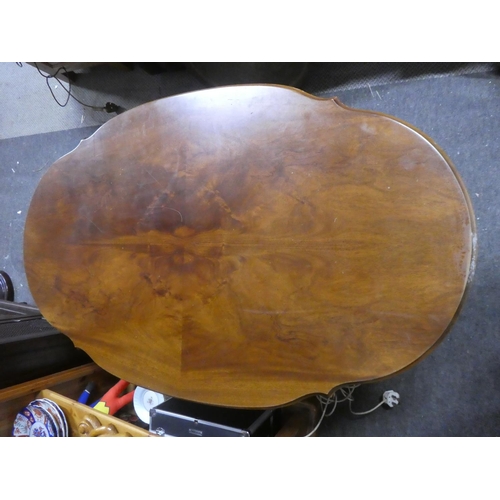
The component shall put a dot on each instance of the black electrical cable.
(54, 76)
(110, 107)
(47, 78)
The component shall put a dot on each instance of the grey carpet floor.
(455, 391)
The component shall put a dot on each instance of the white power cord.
(390, 398)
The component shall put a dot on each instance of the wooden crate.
(64, 388)
(84, 421)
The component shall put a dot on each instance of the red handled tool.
(111, 402)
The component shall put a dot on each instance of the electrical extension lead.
(390, 398)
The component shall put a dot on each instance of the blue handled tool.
(84, 396)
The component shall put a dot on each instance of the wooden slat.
(75, 413)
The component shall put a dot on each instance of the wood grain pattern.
(250, 245)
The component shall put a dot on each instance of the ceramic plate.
(22, 426)
(144, 400)
(43, 419)
(33, 421)
(54, 410)
(54, 414)
(61, 414)
(42, 406)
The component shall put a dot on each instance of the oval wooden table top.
(250, 245)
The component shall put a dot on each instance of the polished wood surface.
(251, 245)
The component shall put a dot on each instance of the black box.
(180, 418)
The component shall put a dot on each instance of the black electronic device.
(180, 418)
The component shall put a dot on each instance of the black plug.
(111, 107)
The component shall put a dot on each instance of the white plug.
(391, 398)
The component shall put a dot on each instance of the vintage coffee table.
(249, 246)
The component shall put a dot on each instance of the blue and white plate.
(53, 414)
(22, 426)
(33, 421)
(61, 414)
